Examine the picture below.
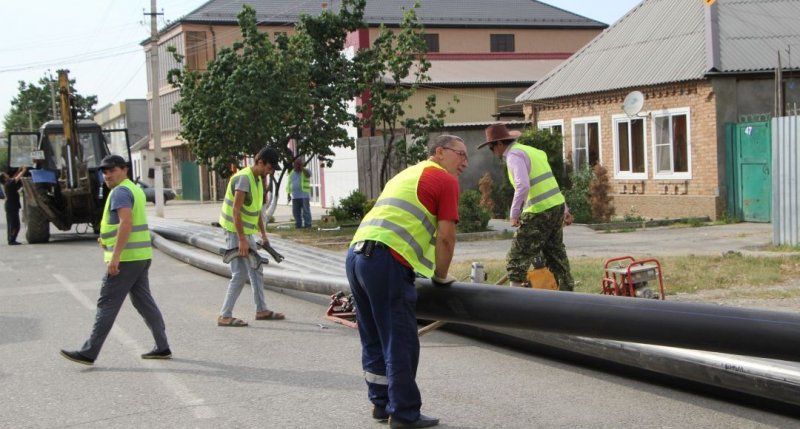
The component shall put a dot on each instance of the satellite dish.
(633, 103)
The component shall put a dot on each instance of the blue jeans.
(240, 272)
(301, 210)
(387, 324)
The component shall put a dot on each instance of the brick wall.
(653, 197)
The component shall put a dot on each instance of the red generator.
(626, 276)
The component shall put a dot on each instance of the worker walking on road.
(125, 239)
(242, 218)
(537, 208)
(410, 229)
(298, 187)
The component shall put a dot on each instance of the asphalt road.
(303, 372)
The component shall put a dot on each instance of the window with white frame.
(630, 145)
(672, 144)
(585, 142)
(554, 126)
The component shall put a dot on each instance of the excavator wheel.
(38, 227)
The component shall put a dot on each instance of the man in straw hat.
(537, 208)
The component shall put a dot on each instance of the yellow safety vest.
(400, 221)
(138, 247)
(249, 211)
(543, 193)
(305, 184)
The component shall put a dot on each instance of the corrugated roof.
(657, 41)
(752, 31)
(661, 41)
(494, 13)
(488, 71)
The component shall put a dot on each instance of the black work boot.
(422, 422)
(379, 413)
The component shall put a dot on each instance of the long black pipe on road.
(742, 331)
(776, 380)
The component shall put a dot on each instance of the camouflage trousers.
(540, 233)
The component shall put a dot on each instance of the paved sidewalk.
(746, 238)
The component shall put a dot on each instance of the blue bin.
(44, 176)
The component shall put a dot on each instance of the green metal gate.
(190, 181)
(749, 149)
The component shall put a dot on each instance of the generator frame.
(621, 279)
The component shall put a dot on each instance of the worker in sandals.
(241, 219)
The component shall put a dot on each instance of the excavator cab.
(65, 186)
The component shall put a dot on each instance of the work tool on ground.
(540, 277)
(626, 276)
(342, 310)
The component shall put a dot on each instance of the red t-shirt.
(437, 190)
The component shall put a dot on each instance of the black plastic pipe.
(742, 331)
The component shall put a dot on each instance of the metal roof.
(432, 13)
(751, 32)
(662, 41)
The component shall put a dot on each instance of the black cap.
(269, 155)
(113, 161)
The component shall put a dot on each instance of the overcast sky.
(99, 41)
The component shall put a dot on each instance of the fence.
(369, 152)
(785, 178)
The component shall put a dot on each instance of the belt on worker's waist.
(366, 247)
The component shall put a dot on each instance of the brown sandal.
(231, 322)
(269, 315)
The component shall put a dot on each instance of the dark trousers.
(387, 324)
(132, 279)
(540, 233)
(12, 224)
(301, 210)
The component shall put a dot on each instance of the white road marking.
(185, 396)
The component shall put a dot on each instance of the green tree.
(258, 92)
(33, 104)
(393, 69)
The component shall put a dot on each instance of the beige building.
(485, 52)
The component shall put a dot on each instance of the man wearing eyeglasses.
(537, 208)
(411, 229)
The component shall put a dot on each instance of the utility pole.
(155, 110)
(52, 95)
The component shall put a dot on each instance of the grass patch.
(782, 248)
(323, 236)
(682, 274)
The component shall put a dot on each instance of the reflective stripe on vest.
(305, 183)
(400, 221)
(138, 247)
(543, 193)
(250, 211)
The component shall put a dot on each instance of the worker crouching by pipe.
(411, 229)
